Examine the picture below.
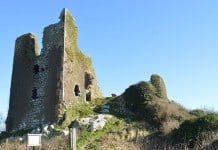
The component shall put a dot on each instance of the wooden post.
(73, 138)
(27, 148)
(6, 144)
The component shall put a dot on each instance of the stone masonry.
(44, 85)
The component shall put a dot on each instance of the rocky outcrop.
(94, 122)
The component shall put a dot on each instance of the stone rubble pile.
(94, 122)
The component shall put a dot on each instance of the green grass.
(114, 124)
(76, 111)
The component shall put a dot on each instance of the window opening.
(36, 69)
(34, 93)
(76, 90)
(88, 96)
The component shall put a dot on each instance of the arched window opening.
(36, 69)
(76, 90)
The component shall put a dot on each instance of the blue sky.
(128, 41)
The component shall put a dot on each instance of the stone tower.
(44, 85)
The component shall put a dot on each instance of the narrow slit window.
(36, 69)
(34, 93)
(76, 90)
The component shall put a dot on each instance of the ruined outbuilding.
(44, 85)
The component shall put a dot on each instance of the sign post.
(73, 138)
(33, 140)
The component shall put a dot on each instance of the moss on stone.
(87, 62)
(71, 48)
(71, 29)
(79, 58)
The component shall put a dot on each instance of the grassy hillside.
(141, 118)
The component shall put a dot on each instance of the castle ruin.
(44, 85)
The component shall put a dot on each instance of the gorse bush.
(198, 112)
(197, 130)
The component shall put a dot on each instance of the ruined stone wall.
(91, 84)
(73, 64)
(26, 51)
(76, 68)
(53, 45)
(34, 115)
(44, 86)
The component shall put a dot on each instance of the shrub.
(148, 100)
(138, 94)
(198, 112)
(197, 130)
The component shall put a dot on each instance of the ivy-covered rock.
(144, 92)
(148, 100)
(159, 86)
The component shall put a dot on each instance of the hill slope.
(141, 118)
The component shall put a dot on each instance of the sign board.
(34, 139)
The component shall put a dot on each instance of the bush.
(137, 95)
(197, 130)
(148, 100)
(198, 112)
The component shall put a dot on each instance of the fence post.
(73, 138)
